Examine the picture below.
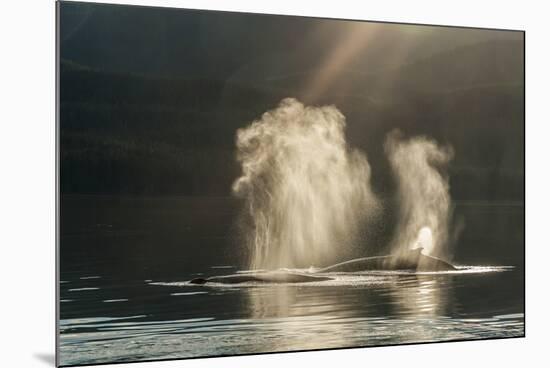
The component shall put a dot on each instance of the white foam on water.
(74, 321)
(459, 270)
(84, 289)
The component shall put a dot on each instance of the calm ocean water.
(124, 263)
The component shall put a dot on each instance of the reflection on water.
(123, 295)
(182, 320)
(421, 296)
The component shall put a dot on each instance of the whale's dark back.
(412, 261)
(263, 277)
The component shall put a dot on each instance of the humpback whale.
(412, 260)
(267, 277)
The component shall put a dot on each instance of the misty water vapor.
(425, 210)
(306, 192)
